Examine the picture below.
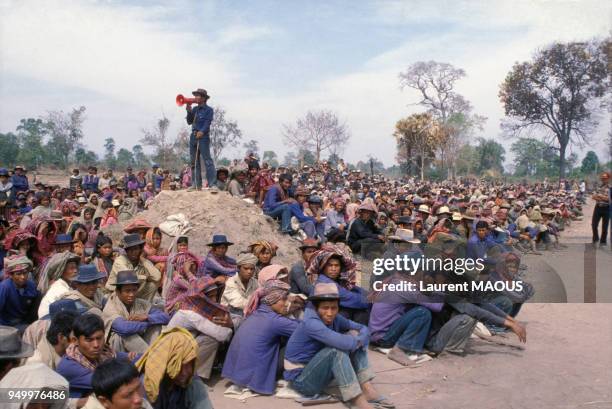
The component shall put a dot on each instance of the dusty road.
(566, 363)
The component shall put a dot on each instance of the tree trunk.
(562, 149)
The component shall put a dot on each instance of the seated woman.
(253, 355)
(217, 263)
(197, 309)
(327, 347)
(167, 369)
(56, 278)
(264, 251)
(239, 288)
(331, 264)
(130, 323)
(86, 351)
(153, 251)
(103, 256)
(18, 295)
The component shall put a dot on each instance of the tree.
(417, 137)
(306, 157)
(491, 155)
(590, 163)
(141, 160)
(66, 133)
(84, 157)
(109, 153)
(291, 159)
(158, 138)
(467, 160)
(271, 158)
(317, 131)
(251, 146)
(557, 93)
(436, 82)
(30, 133)
(9, 149)
(224, 132)
(125, 158)
(181, 147)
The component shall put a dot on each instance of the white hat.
(443, 209)
(406, 235)
(423, 209)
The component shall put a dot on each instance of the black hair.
(316, 303)
(182, 239)
(61, 324)
(4, 363)
(111, 375)
(285, 176)
(74, 227)
(101, 240)
(87, 325)
(482, 225)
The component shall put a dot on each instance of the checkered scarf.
(348, 275)
(271, 292)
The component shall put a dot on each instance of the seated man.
(86, 351)
(197, 309)
(52, 347)
(217, 263)
(149, 277)
(277, 201)
(168, 369)
(87, 292)
(321, 351)
(130, 323)
(239, 288)
(59, 272)
(18, 295)
(38, 329)
(298, 279)
(363, 232)
(116, 385)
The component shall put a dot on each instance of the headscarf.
(149, 249)
(272, 291)
(194, 297)
(54, 269)
(273, 271)
(15, 237)
(259, 246)
(348, 275)
(16, 263)
(246, 259)
(172, 349)
(43, 244)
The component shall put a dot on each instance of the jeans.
(347, 371)
(453, 335)
(309, 229)
(409, 332)
(284, 212)
(600, 213)
(202, 146)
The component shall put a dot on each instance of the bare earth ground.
(566, 363)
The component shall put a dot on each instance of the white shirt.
(55, 292)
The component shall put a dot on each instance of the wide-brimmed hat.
(19, 167)
(132, 240)
(11, 346)
(63, 239)
(127, 277)
(88, 273)
(325, 292)
(456, 217)
(137, 224)
(310, 243)
(404, 220)
(4, 172)
(367, 206)
(218, 240)
(405, 235)
(443, 210)
(423, 209)
(202, 92)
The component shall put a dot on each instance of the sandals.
(382, 402)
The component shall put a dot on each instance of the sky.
(269, 62)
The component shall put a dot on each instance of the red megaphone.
(181, 100)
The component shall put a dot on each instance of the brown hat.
(202, 92)
(367, 206)
(310, 243)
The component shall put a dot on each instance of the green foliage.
(590, 163)
(125, 158)
(141, 160)
(224, 162)
(9, 149)
(30, 133)
(490, 155)
(109, 153)
(85, 158)
(467, 160)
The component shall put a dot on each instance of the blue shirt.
(20, 183)
(15, 303)
(312, 335)
(272, 199)
(90, 182)
(477, 248)
(200, 119)
(126, 328)
(252, 358)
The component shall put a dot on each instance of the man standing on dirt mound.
(200, 119)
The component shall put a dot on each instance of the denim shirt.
(200, 119)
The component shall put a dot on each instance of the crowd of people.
(130, 324)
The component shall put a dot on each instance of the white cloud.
(239, 34)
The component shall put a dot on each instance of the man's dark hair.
(285, 176)
(482, 225)
(87, 325)
(110, 375)
(183, 239)
(61, 324)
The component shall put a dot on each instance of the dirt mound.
(221, 213)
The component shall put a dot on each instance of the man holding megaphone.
(200, 118)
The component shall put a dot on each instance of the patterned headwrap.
(179, 260)
(166, 355)
(271, 272)
(271, 292)
(348, 275)
(16, 236)
(246, 259)
(196, 299)
(259, 246)
(16, 263)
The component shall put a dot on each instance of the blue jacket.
(15, 303)
(312, 335)
(200, 119)
(477, 248)
(272, 199)
(126, 328)
(20, 183)
(252, 358)
(355, 298)
(91, 182)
